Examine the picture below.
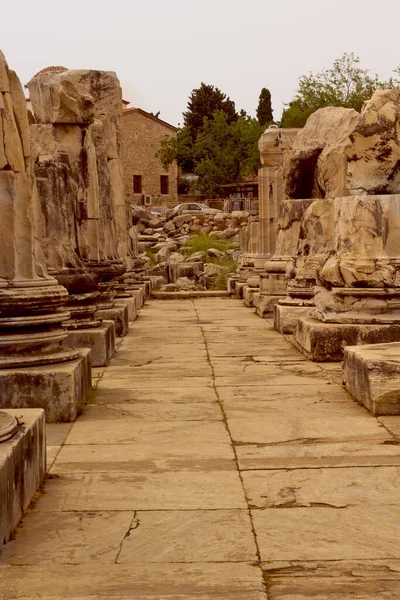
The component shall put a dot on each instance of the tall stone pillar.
(83, 109)
(274, 145)
(31, 301)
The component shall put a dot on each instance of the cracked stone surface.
(216, 463)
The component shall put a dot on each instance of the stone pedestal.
(248, 294)
(130, 302)
(372, 376)
(272, 288)
(60, 389)
(100, 341)
(231, 284)
(119, 315)
(22, 468)
(357, 300)
(288, 312)
(322, 342)
(138, 294)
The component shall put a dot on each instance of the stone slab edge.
(22, 468)
(188, 295)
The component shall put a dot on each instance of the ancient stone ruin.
(331, 280)
(70, 275)
(176, 429)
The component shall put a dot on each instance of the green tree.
(264, 109)
(344, 84)
(223, 149)
(203, 102)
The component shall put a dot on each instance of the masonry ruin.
(70, 276)
(322, 259)
(331, 280)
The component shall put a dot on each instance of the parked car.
(193, 208)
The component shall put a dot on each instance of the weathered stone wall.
(142, 135)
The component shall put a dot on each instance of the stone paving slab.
(197, 581)
(318, 455)
(115, 392)
(150, 411)
(146, 457)
(292, 396)
(218, 419)
(126, 431)
(278, 422)
(340, 580)
(122, 369)
(190, 536)
(72, 538)
(332, 488)
(321, 533)
(247, 369)
(178, 490)
(123, 379)
(392, 424)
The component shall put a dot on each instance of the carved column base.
(60, 389)
(31, 329)
(371, 374)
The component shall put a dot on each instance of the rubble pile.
(179, 264)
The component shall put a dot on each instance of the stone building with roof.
(146, 182)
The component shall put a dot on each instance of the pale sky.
(162, 49)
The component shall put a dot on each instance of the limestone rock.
(316, 165)
(169, 227)
(212, 269)
(374, 156)
(180, 220)
(176, 257)
(163, 254)
(58, 97)
(214, 253)
(197, 256)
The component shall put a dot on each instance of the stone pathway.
(217, 463)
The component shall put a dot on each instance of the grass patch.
(84, 405)
(202, 243)
(150, 254)
(219, 282)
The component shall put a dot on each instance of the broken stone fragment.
(59, 97)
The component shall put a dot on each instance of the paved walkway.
(217, 463)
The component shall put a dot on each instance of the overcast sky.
(162, 49)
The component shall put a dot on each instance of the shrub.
(150, 254)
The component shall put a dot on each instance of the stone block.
(60, 389)
(138, 293)
(326, 341)
(190, 270)
(119, 314)
(130, 302)
(265, 305)
(22, 468)
(273, 284)
(286, 317)
(371, 374)
(239, 289)
(100, 340)
(231, 284)
(248, 293)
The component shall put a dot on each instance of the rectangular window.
(137, 184)
(164, 184)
